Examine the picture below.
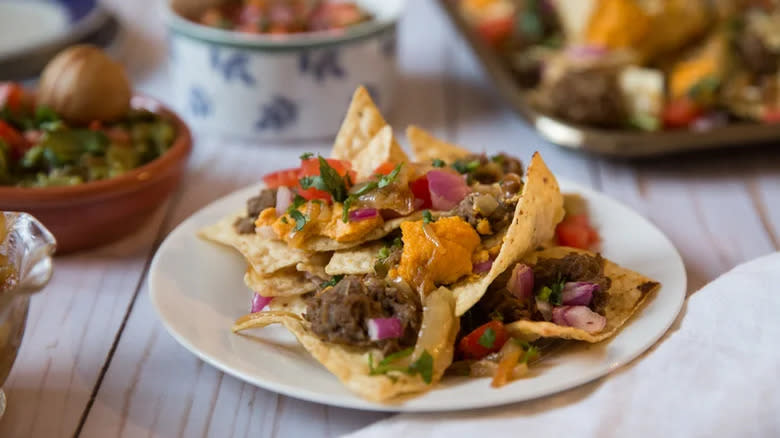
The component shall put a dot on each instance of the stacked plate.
(32, 32)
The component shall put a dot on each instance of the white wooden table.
(96, 362)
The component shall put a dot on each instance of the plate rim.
(503, 398)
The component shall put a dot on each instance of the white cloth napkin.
(715, 374)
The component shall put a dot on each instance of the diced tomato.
(311, 166)
(285, 177)
(419, 188)
(14, 139)
(496, 30)
(470, 346)
(576, 231)
(385, 168)
(771, 116)
(679, 113)
(11, 95)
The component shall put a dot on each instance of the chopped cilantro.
(427, 217)
(332, 282)
(544, 294)
(385, 365)
(297, 202)
(496, 316)
(463, 166)
(488, 338)
(300, 219)
(397, 242)
(438, 162)
(383, 253)
(306, 156)
(386, 180)
(328, 180)
(499, 158)
(552, 293)
(530, 353)
(284, 220)
(423, 366)
(345, 209)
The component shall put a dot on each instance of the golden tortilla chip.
(354, 261)
(287, 282)
(362, 122)
(426, 147)
(351, 365)
(265, 255)
(625, 295)
(537, 213)
(293, 304)
(380, 149)
(322, 243)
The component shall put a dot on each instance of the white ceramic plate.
(198, 291)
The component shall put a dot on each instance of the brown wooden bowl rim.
(130, 181)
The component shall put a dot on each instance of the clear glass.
(26, 247)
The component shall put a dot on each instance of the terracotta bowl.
(92, 214)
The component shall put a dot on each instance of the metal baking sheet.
(616, 143)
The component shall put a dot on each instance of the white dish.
(279, 87)
(198, 291)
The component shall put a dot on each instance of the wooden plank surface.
(719, 209)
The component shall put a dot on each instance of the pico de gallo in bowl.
(283, 16)
(38, 148)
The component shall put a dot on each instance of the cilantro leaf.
(333, 182)
(530, 353)
(383, 253)
(438, 162)
(386, 180)
(390, 358)
(498, 158)
(427, 217)
(306, 156)
(296, 202)
(488, 338)
(284, 220)
(544, 294)
(556, 293)
(332, 282)
(496, 316)
(345, 209)
(423, 366)
(386, 365)
(300, 219)
(463, 166)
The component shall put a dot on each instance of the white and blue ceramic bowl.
(272, 87)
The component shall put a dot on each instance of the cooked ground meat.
(494, 203)
(757, 57)
(339, 314)
(575, 267)
(254, 206)
(244, 225)
(490, 169)
(590, 97)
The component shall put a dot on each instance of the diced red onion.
(545, 308)
(521, 282)
(710, 121)
(259, 302)
(362, 214)
(585, 52)
(283, 199)
(447, 189)
(580, 317)
(383, 328)
(578, 293)
(482, 267)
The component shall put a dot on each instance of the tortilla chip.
(283, 283)
(380, 149)
(294, 304)
(362, 122)
(354, 261)
(322, 243)
(350, 365)
(624, 297)
(266, 256)
(426, 147)
(537, 213)
(316, 264)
